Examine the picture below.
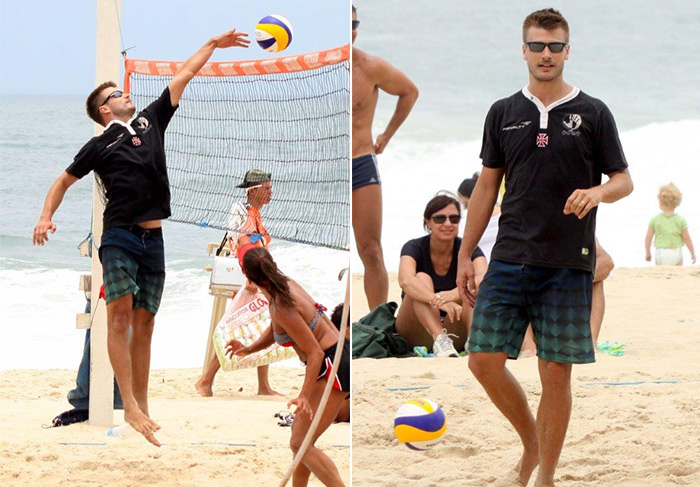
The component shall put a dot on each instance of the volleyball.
(273, 33)
(419, 424)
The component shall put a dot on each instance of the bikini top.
(286, 341)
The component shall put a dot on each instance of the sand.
(642, 431)
(231, 439)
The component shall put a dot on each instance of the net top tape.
(284, 64)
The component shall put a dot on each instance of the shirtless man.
(369, 75)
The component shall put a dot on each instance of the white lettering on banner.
(249, 68)
(163, 69)
(311, 60)
(228, 69)
(291, 63)
(270, 66)
(141, 66)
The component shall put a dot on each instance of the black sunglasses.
(443, 218)
(355, 24)
(554, 47)
(114, 94)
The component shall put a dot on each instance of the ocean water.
(638, 58)
(39, 294)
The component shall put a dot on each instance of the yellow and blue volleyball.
(419, 424)
(273, 33)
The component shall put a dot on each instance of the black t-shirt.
(547, 154)
(419, 249)
(131, 165)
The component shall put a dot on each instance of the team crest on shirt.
(542, 140)
(143, 124)
(136, 141)
(572, 122)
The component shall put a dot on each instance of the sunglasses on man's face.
(355, 24)
(440, 219)
(114, 94)
(554, 47)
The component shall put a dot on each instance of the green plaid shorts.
(556, 301)
(133, 262)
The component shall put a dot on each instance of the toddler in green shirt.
(670, 229)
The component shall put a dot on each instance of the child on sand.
(671, 230)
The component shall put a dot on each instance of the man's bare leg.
(597, 311)
(119, 317)
(367, 226)
(264, 387)
(603, 266)
(140, 348)
(205, 383)
(552, 417)
(507, 395)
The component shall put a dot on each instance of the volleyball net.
(289, 116)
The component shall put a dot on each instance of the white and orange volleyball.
(274, 33)
(419, 424)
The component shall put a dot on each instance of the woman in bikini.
(298, 321)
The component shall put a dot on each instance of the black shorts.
(341, 379)
(365, 171)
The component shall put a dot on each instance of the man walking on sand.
(129, 161)
(369, 75)
(552, 142)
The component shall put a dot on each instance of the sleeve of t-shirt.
(412, 249)
(684, 223)
(161, 110)
(608, 149)
(491, 152)
(477, 253)
(84, 160)
(238, 217)
(652, 222)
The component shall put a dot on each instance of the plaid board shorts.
(556, 301)
(133, 262)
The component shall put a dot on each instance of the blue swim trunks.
(133, 262)
(556, 301)
(365, 171)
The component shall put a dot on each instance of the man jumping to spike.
(129, 161)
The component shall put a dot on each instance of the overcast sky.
(48, 46)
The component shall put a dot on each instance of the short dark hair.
(548, 19)
(337, 316)
(467, 187)
(354, 10)
(437, 203)
(92, 104)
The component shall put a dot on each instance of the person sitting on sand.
(669, 230)
(299, 322)
(431, 309)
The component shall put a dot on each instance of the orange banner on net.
(282, 64)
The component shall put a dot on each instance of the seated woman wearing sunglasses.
(431, 309)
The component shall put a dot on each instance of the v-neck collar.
(544, 110)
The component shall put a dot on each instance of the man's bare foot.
(527, 464)
(204, 388)
(142, 423)
(267, 391)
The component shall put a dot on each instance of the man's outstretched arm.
(53, 200)
(193, 64)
